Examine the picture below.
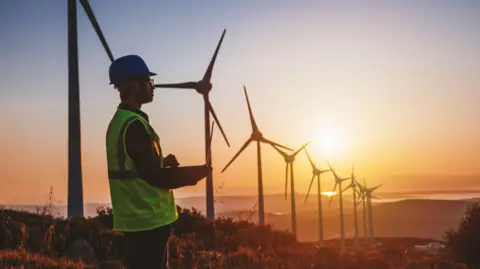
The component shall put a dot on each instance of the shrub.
(464, 242)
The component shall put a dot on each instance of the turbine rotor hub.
(203, 87)
(256, 135)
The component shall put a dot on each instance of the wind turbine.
(368, 195)
(353, 186)
(75, 185)
(258, 137)
(338, 181)
(316, 174)
(289, 159)
(204, 87)
(362, 197)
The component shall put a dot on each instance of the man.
(141, 180)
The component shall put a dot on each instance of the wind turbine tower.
(364, 211)
(338, 181)
(316, 174)
(75, 185)
(368, 194)
(353, 186)
(289, 159)
(256, 136)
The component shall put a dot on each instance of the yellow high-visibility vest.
(136, 204)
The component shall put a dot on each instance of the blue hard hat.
(126, 67)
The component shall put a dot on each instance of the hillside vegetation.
(29, 240)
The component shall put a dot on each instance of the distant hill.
(422, 218)
(409, 218)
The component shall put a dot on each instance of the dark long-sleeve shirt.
(139, 147)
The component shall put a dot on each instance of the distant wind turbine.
(353, 186)
(289, 159)
(258, 137)
(316, 174)
(363, 198)
(338, 181)
(368, 194)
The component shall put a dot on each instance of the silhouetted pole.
(365, 233)
(355, 217)
(294, 213)
(320, 217)
(75, 188)
(261, 208)
(370, 214)
(342, 227)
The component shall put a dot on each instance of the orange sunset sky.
(391, 87)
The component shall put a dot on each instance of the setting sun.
(330, 142)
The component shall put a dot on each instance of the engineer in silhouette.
(141, 179)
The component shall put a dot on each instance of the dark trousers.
(148, 249)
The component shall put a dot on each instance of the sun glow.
(330, 142)
(329, 193)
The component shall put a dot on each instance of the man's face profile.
(141, 90)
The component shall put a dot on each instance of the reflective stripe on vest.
(122, 173)
(136, 204)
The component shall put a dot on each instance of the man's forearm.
(163, 178)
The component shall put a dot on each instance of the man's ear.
(134, 86)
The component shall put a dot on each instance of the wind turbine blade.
(279, 151)
(286, 179)
(347, 188)
(185, 85)
(238, 153)
(218, 122)
(211, 132)
(331, 199)
(360, 198)
(310, 159)
(93, 21)
(208, 73)
(300, 149)
(358, 183)
(210, 144)
(252, 119)
(374, 188)
(334, 187)
(309, 188)
(333, 191)
(359, 193)
(275, 144)
(333, 171)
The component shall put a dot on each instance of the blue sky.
(397, 80)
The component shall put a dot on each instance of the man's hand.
(200, 173)
(170, 161)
